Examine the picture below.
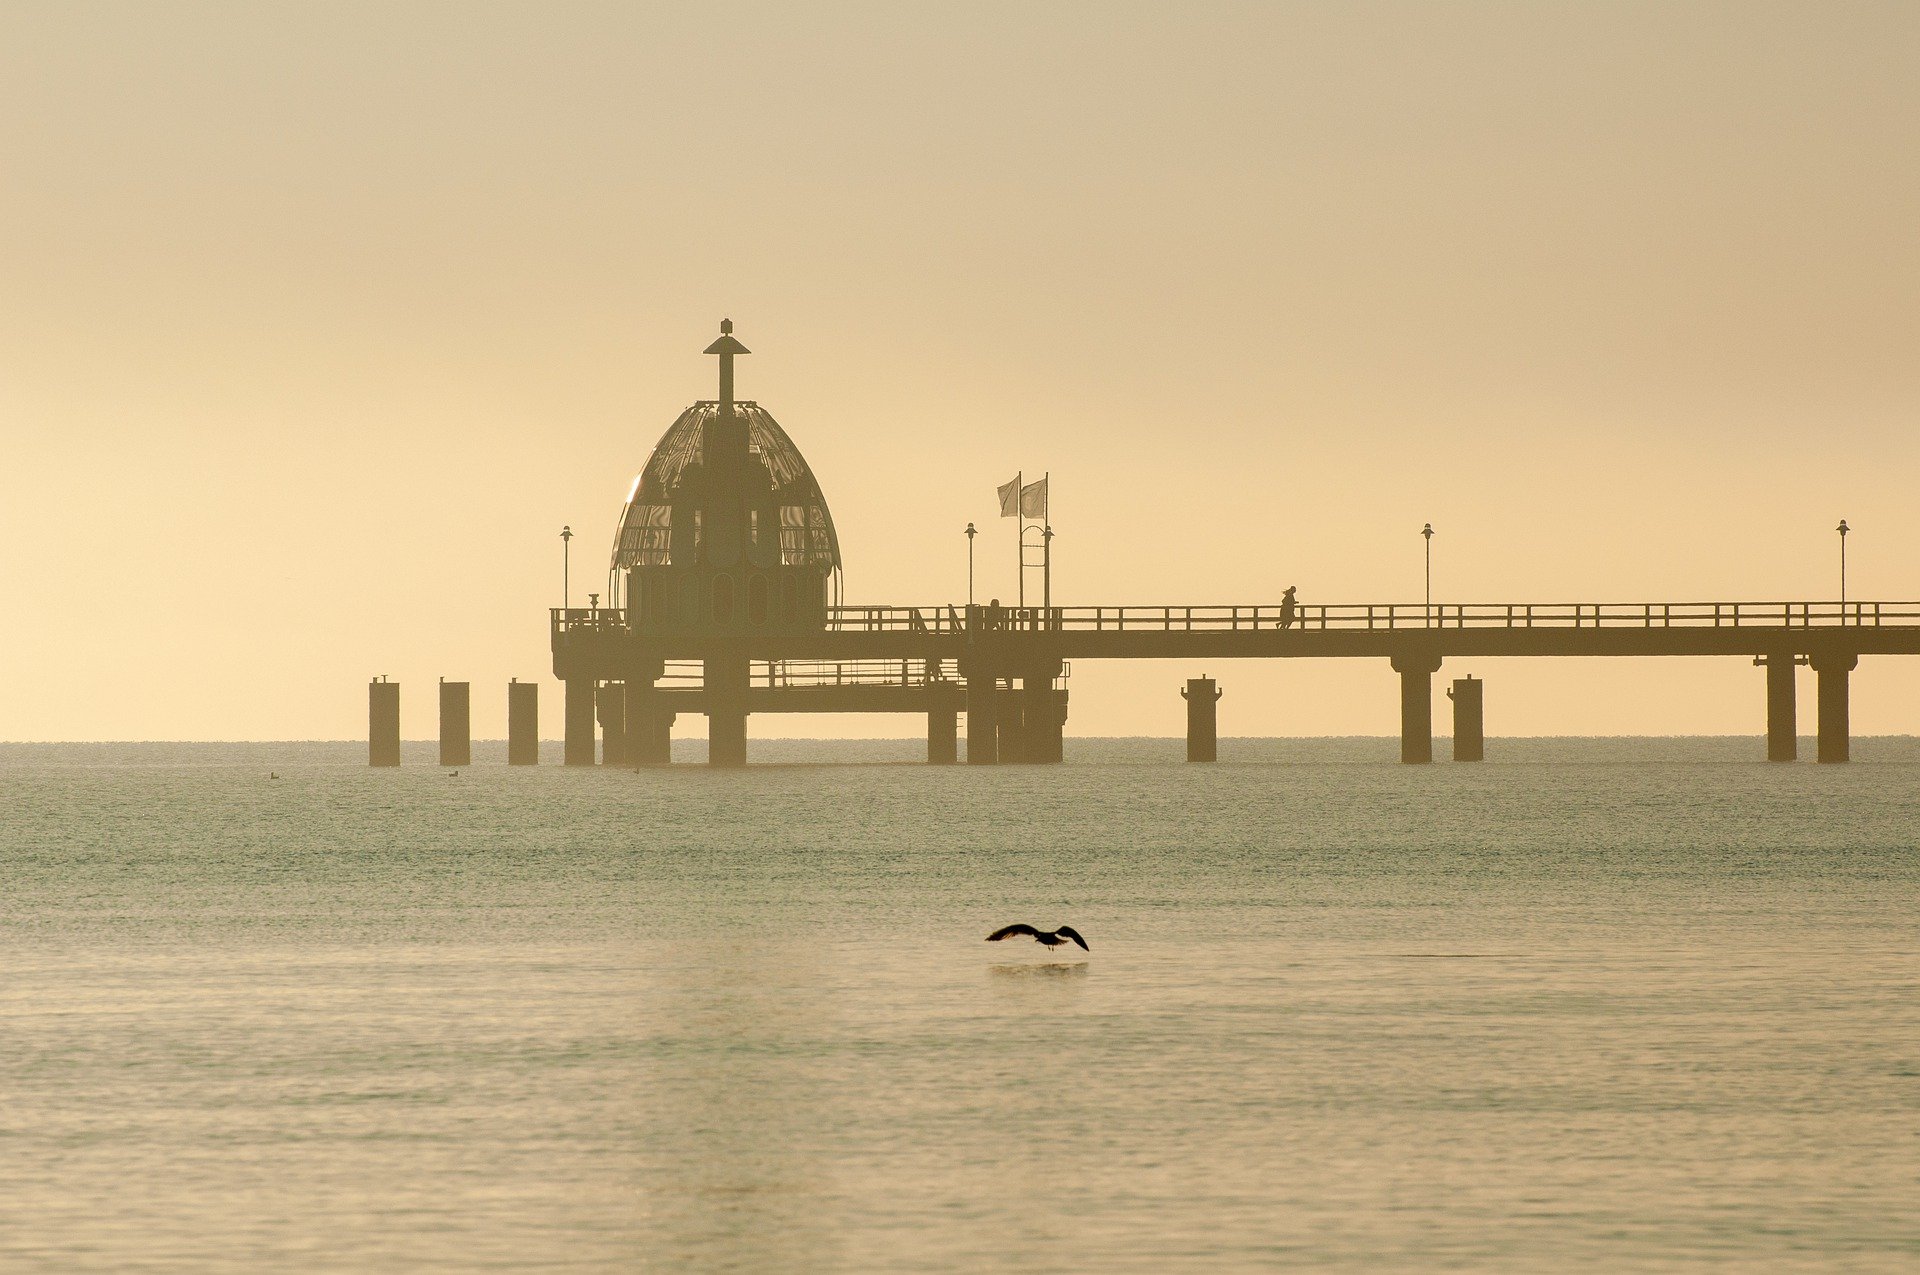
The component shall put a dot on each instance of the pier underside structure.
(725, 583)
(992, 666)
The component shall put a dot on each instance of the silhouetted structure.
(730, 569)
(383, 722)
(1469, 728)
(456, 724)
(1202, 696)
(523, 723)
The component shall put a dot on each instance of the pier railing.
(1352, 616)
(955, 621)
(789, 673)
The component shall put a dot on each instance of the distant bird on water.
(1050, 938)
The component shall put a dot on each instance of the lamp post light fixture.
(1843, 529)
(566, 543)
(971, 533)
(1426, 533)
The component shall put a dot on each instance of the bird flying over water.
(1050, 938)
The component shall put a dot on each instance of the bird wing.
(1010, 931)
(1067, 931)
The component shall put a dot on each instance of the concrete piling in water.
(649, 724)
(523, 723)
(1202, 695)
(579, 722)
(983, 730)
(726, 679)
(1416, 669)
(943, 735)
(1469, 727)
(383, 722)
(1783, 731)
(1831, 669)
(456, 724)
(1009, 719)
(1039, 718)
(610, 709)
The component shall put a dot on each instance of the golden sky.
(319, 320)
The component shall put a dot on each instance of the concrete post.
(943, 735)
(1009, 715)
(649, 725)
(983, 729)
(726, 689)
(1039, 718)
(383, 722)
(1469, 726)
(1783, 729)
(523, 723)
(1416, 669)
(579, 723)
(610, 706)
(1831, 669)
(1201, 694)
(456, 724)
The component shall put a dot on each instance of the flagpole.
(1020, 537)
(1046, 553)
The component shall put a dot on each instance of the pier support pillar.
(383, 722)
(1202, 695)
(610, 706)
(456, 723)
(1040, 717)
(523, 723)
(1416, 669)
(649, 725)
(579, 723)
(943, 735)
(983, 728)
(1783, 728)
(1469, 723)
(1009, 716)
(1832, 669)
(726, 679)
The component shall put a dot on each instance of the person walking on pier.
(1289, 609)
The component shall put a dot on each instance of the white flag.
(1033, 500)
(1010, 498)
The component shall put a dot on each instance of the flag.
(1010, 498)
(1033, 500)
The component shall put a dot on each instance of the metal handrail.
(955, 621)
(1413, 616)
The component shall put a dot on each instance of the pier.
(726, 583)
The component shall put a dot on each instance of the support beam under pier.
(610, 705)
(1783, 729)
(983, 730)
(1416, 669)
(649, 725)
(943, 735)
(1831, 669)
(726, 679)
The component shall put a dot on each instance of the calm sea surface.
(1594, 1005)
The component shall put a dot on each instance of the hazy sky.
(318, 320)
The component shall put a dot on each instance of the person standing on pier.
(1289, 609)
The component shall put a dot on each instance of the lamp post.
(1843, 529)
(566, 543)
(1046, 578)
(1426, 534)
(971, 533)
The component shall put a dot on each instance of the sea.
(1593, 1005)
